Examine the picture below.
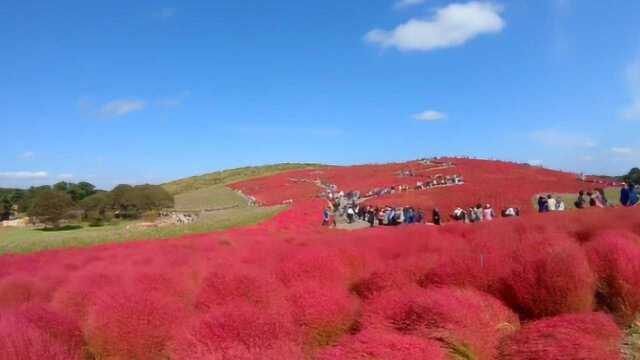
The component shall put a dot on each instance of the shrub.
(231, 285)
(21, 289)
(592, 336)
(127, 325)
(467, 322)
(323, 314)
(550, 276)
(21, 339)
(237, 331)
(384, 345)
(616, 261)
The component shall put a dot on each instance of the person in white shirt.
(560, 205)
(551, 203)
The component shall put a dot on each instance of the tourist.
(458, 214)
(603, 197)
(542, 204)
(551, 203)
(419, 217)
(350, 215)
(477, 213)
(510, 212)
(488, 214)
(381, 215)
(560, 205)
(399, 217)
(581, 202)
(595, 200)
(326, 216)
(436, 216)
(371, 215)
(628, 195)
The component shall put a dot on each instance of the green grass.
(211, 197)
(230, 176)
(612, 194)
(191, 194)
(25, 240)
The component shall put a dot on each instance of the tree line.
(51, 204)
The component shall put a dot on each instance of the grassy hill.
(225, 177)
(201, 192)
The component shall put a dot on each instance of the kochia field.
(541, 286)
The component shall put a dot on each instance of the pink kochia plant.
(238, 331)
(592, 336)
(467, 322)
(30, 337)
(129, 325)
(550, 276)
(615, 258)
(387, 345)
(290, 289)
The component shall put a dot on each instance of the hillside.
(229, 176)
(561, 285)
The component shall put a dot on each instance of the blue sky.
(149, 91)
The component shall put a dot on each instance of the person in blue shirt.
(325, 217)
(628, 195)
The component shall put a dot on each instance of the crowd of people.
(431, 182)
(596, 198)
(481, 213)
(551, 203)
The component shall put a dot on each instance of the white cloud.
(430, 115)
(621, 150)
(632, 111)
(557, 139)
(535, 162)
(451, 26)
(172, 102)
(23, 175)
(123, 107)
(400, 4)
(27, 155)
(65, 176)
(166, 13)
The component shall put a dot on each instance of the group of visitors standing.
(550, 203)
(585, 199)
(480, 213)
(391, 216)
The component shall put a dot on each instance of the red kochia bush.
(237, 331)
(129, 325)
(468, 322)
(60, 327)
(592, 336)
(80, 292)
(616, 261)
(550, 276)
(233, 284)
(21, 289)
(322, 313)
(21, 339)
(397, 274)
(384, 345)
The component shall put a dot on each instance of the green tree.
(5, 208)
(633, 176)
(49, 207)
(133, 201)
(97, 208)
